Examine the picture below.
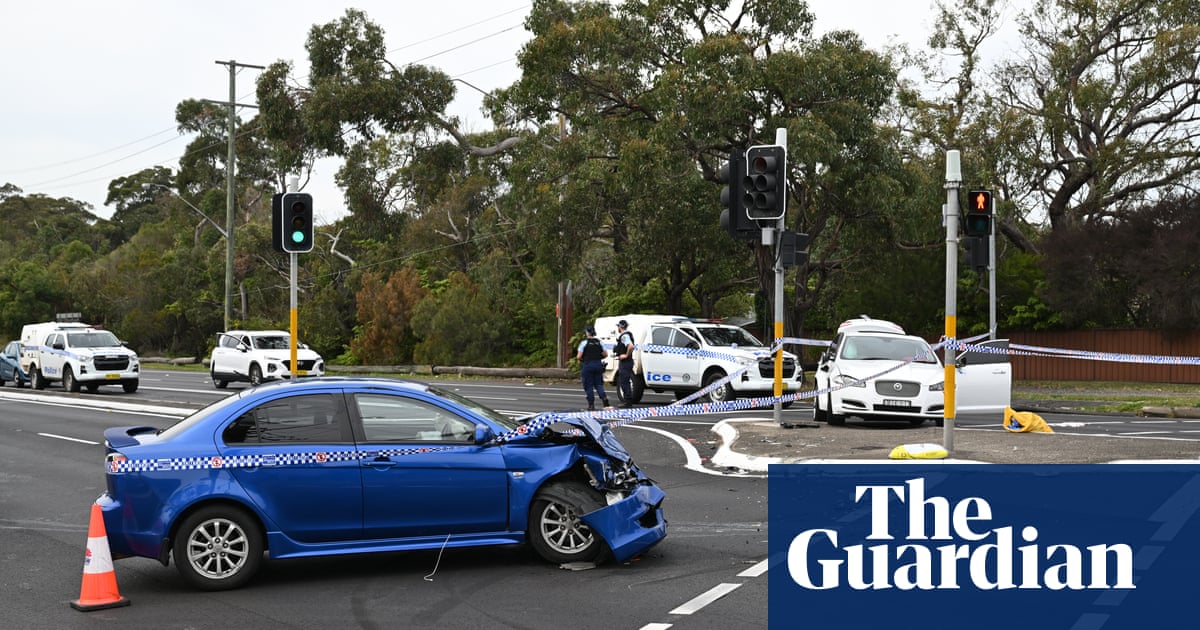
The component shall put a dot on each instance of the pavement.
(752, 444)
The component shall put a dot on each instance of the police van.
(683, 355)
(78, 355)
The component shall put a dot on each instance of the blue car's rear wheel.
(218, 548)
(555, 530)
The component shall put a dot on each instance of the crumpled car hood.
(597, 431)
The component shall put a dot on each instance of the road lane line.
(69, 439)
(706, 598)
(756, 570)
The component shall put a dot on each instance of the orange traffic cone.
(99, 589)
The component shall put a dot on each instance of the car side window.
(312, 418)
(400, 419)
(661, 337)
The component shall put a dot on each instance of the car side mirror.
(483, 433)
(242, 347)
(692, 345)
(960, 361)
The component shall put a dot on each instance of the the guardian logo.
(932, 543)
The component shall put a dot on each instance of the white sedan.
(876, 372)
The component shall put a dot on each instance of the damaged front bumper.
(631, 525)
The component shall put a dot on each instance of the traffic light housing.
(978, 221)
(793, 248)
(733, 217)
(766, 182)
(293, 231)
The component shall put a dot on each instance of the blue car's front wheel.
(555, 530)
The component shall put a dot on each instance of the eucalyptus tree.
(654, 95)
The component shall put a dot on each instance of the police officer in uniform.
(591, 354)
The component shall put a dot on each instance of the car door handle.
(380, 463)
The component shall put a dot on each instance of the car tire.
(255, 375)
(218, 548)
(36, 379)
(70, 383)
(830, 417)
(129, 386)
(637, 387)
(818, 414)
(555, 531)
(723, 393)
(218, 383)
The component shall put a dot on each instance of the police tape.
(614, 418)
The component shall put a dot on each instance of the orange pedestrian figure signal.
(978, 221)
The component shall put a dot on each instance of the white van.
(79, 355)
(683, 355)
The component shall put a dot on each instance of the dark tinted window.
(314, 418)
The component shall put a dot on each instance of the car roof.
(255, 333)
(343, 381)
(866, 324)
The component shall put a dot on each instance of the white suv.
(881, 373)
(259, 355)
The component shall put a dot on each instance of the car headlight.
(938, 386)
(845, 380)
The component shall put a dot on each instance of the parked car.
(10, 365)
(336, 465)
(881, 373)
(257, 356)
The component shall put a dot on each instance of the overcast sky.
(90, 87)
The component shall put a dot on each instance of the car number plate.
(112, 377)
(892, 402)
(301, 372)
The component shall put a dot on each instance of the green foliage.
(602, 173)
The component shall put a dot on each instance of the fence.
(1149, 342)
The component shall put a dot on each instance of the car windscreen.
(93, 339)
(728, 336)
(867, 348)
(273, 343)
(486, 412)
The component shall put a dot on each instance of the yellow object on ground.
(919, 451)
(1024, 422)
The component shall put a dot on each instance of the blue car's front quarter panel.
(530, 465)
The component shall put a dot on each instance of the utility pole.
(232, 104)
(950, 220)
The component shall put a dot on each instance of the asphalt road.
(708, 574)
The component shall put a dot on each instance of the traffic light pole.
(950, 220)
(293, 317)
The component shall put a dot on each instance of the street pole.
(950, 220)
(293, 309)
(992, 275)
(781, 140)
(230, 161)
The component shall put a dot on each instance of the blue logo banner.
(1070, 547)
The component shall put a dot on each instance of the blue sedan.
(10, 365)
(361, 465)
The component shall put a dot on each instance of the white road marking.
(69, 439)
(705, 598)
(756, 570)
